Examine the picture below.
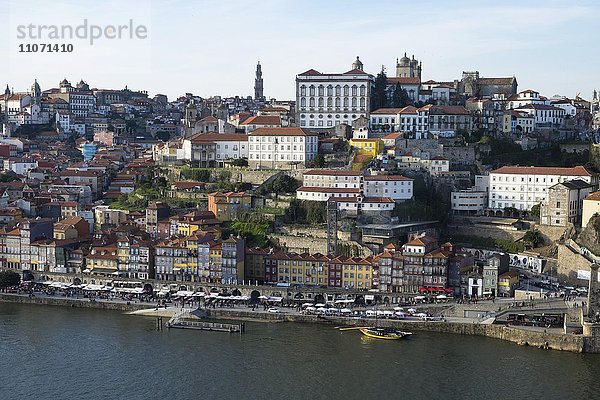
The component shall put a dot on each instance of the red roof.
(332, 172)
(282, 132)
(575, 171)
(386, 178)
(311, 72)
(218, 137)
(403, 80)
(262, 120)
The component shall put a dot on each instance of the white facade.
(215, 147)
(279, 147)
(320, 185)
(524, 187)
(406, 119)
(396, 187)
(326, 100)
(543, 114)
(469, 201)
(524, 98)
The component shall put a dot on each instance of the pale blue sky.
(211, 47)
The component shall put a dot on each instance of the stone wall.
(554, 341)
(568, 264)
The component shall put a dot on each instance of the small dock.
(186, 320)
(207, 326)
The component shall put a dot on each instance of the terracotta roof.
(575, 171)
(403, 80)
(327, 190)
(311, 72)
(387, 111)
(393, 135)
(593, 196)
(282, 132)
(355, 71)
(421, 241)
(209, 118)
(386, 178)
(333, 172)
(263, 120)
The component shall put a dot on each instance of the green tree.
(318, 161)
(240, 162)
(8, 279)
(162, 135)
(535, 211)
(378, 95)
(400, 97)
(8, 177)
(284, 184)
(533, 238)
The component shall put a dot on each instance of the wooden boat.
(380, 333)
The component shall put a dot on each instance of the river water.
(63, 353)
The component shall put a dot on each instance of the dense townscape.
(366, 182)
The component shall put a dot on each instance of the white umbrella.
(441, 296)
(345, 310)
(398, 309)
(320, 305)
(310, 308)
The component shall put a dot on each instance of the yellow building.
(227, 206)
(370, 147)
(357, 273)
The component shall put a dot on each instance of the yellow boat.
(381, 333)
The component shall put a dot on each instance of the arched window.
(329, 102)
(330, 90)
(311, 90)
(338, 102)
(321, 103)
(311, 102)
(346, 90)
(354, 90)
(362, 90)
(321, 90)
(338, 90)
(345, 102)
(362, 101)
(302, 90)
(354, 102)
(303, 102)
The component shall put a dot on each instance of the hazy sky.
(211, 47)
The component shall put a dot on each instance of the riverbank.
(526, 337)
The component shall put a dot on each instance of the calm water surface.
(63, 353)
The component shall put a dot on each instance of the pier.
(186, 320)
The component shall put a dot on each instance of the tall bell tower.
(258, 84)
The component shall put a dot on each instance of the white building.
(322, 184)
(469, 201)
(214, 149)
(524, 187)
(526, 97)
(281, 147)
(405, 119)
(543, 114)
(324, 100)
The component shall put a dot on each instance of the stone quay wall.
(525, 337)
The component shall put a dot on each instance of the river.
(63, 353)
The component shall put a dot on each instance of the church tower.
(408, 68)
(258, 84)
(357, 64)
(36, 93)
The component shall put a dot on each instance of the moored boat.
(381, 333)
